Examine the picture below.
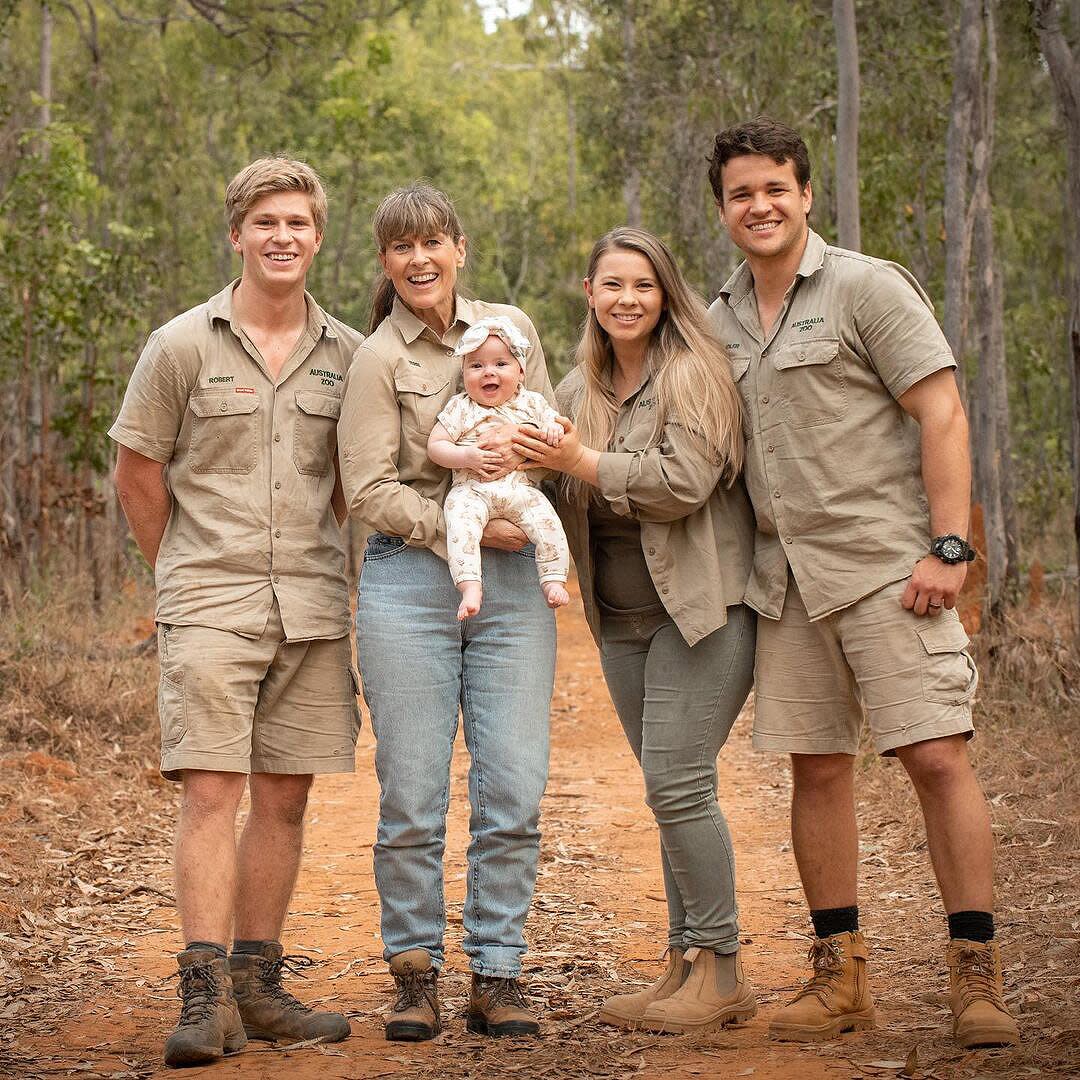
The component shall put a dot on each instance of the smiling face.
(625, 296)
(763, 208)
(277, 241)
(492, 373)
(423, 270)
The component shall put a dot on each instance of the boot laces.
(976, 972)
(414, 988)
(198, 991)
(827, 960)
(270, 973)
(502, 992)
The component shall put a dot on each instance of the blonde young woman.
(419, 663)
(662, 533)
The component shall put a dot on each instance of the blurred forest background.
(945, 136)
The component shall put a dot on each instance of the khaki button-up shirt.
(400, 380)
(696, 534)
(833, 462)
(250, 465)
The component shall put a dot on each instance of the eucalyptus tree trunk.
(847, 126)
(1064, 67)
(631, 119)
(958, 216)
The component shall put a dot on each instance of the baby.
(493, 351)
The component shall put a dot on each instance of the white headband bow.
(502, 328)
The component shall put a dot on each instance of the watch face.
(952, 549)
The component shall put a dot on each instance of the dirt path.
(596, 928)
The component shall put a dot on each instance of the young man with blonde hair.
(227, 472)
(857, 465)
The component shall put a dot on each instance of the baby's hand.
(485, 463)
(552, 433)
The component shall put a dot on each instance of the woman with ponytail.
(418, 662)
(661, 530)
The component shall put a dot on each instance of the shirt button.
(665, 590)
(802, 356)
(224, 406)
(622, 439)
(652, 551)
(788, 540)
(277, 436)
(277, 580)
(423, 386)
(776, 494)
(277, 483)
(277, 532)
(764, 399)
(770, 448)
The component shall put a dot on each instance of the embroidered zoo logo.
(808, 324)
(328, 378)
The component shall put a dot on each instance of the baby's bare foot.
(472, 594)
(555, 593)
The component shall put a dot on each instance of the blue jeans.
(676, 705)
(419, 665)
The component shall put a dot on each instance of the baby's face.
(491, 373)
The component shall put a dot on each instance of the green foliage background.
(531, 126)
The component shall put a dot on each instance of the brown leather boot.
(976, 995)
(715, 993)
(210, 1024)
(415, 1015)
(836, 998)
(626, 1010)
(268, 1010)
(497, 1007)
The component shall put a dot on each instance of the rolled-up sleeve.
(663, 483)
(369, 438)
(154, 404)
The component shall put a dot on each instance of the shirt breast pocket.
(420, 398)
(224, 432)
(810, 378)
(315, 432)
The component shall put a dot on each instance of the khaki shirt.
(833, 462)
(696, 534)
(250, 466)
(400, 380)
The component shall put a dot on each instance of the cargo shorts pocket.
(315, 433)
(172, 708)
(224, 432)
(949, 675)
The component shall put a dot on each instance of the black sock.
(251, 946)
(971, 925)
(212, 945)
(835, 920)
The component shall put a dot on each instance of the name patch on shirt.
(328, 378)
(220, 379)
(808, 324)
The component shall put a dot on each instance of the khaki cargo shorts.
(232, 704)
(913, 676)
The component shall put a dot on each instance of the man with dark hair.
(227, 472)
(858, 468)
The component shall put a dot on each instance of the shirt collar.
(220, 306)
(410, 327)
(738, 286)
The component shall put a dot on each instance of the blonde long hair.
(416, 210)
(690, 370)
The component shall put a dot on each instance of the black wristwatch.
(952, 549)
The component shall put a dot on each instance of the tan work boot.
(835, 999)
(714, 994)
(497, 1007)
(210, 1024)
(976, 995)
(268, 1010)
(626, 1010)
(415, 1015)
